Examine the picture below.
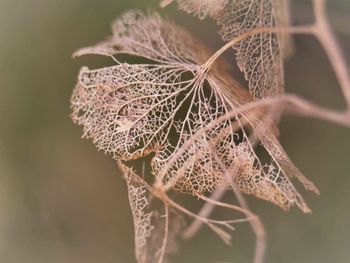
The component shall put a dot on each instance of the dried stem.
(211, 223)
(257, 227)
(234, 41)
(255, 223)
(325, 35)
(166, 231)
(205, 211)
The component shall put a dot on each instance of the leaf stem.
(324, 33)
(205, 211)
(234, 41)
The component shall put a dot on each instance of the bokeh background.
(63, 201)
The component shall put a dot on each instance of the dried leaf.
(260, 57)
(142, 216)
(131, 110)
(149, 37)
(200, 8)
(155, 238)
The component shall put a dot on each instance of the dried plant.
(180, 104)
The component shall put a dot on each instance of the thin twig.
(205, 211)
(166, 232)
(325, 35)
(255, 223)
(234, 41)
(257, 227)
(161, 194)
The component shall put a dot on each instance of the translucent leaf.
(157, 106)
(142, 216)
(260, 57)
(149, 37)
(200, 8)
(155, 236)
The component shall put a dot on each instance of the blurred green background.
(63, 201)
